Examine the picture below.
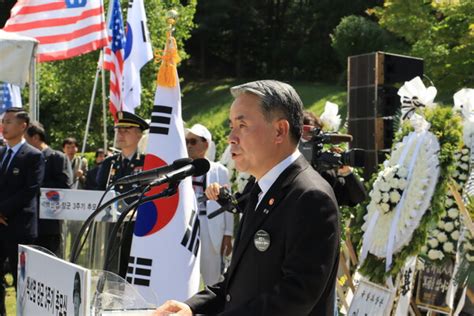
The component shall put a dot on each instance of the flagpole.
(91, 105)
(104, 107)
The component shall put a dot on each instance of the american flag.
(114, 56)
(64, 28)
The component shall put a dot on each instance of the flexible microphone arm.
(74, 252)
(229, 207)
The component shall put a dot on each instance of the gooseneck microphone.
(197, 168)
(150, 175)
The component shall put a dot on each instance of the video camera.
(321, 160)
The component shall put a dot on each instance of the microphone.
(197, 168)
(152, 174)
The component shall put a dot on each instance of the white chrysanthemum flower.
(435, 254)
(456, 173)
(402, 172)
(448, 202)
(385, 197)
(462, 177)
(469, 258)
(376, 196)
(464, 166)
(442, 237)
(393, 183)
(449, 227)
(440, 224)
(394, 197)
(453, 213)
(384, 187)
(465, 158)
(385, 207)
(465, 151)
(448, 247)
(402, 184)
(424, 249)
(433, 243)
(469, 246)
(330, 118)
(455, 235)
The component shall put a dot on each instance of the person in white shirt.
(215, 233)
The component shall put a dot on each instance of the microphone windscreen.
(179, 163)
(201, 167)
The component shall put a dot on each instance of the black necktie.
(125, 162)
(6, 161)
(249, 212)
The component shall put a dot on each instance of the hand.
(79, 173)
(226, 246)
(212, 191)
(3, 220)
(173, 308)
(344, 171)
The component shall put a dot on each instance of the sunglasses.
(191, 141)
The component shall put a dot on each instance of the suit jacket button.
(228, 298)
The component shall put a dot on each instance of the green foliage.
(66, 86)
(442, 34)
(356, 35)
(447, 129)
(279, 39)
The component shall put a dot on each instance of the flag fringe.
(167, 74)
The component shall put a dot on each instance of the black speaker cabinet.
(373, 83)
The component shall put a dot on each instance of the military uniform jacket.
(291, 269)
(19, 190)
(114, 168)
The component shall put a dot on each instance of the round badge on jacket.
(261, 240)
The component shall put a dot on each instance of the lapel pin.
(265, 211)
(272, 200)
(16, 171)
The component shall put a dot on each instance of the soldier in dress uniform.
(129, 161)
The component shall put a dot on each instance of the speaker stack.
(373, 83)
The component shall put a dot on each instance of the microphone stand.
(76, 246)
(229, 207)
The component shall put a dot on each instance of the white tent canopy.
(16, 55)
(18, 64)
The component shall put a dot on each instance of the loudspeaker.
(373, 83)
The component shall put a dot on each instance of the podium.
(48, 285)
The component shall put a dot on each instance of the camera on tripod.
(313, 151)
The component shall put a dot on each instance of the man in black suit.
(21, 173)
(57, 174)
(286, 251)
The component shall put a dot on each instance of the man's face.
(196, 146)
(70, 150)
(252, 136)
(33, 140)
(100, 158)
(13, 128)
(128, 137)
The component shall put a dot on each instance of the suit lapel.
(264, 209)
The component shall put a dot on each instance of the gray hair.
(276, 97)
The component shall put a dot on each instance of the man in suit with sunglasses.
(286, 251)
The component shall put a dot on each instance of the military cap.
(127, 119)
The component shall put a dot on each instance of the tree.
(440, 32)
(66, 86)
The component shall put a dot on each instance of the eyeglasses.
(191, 141)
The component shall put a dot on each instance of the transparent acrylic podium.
(101, 293)
(112, 295)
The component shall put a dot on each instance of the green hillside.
(207, 102)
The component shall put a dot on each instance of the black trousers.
(9, 250)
